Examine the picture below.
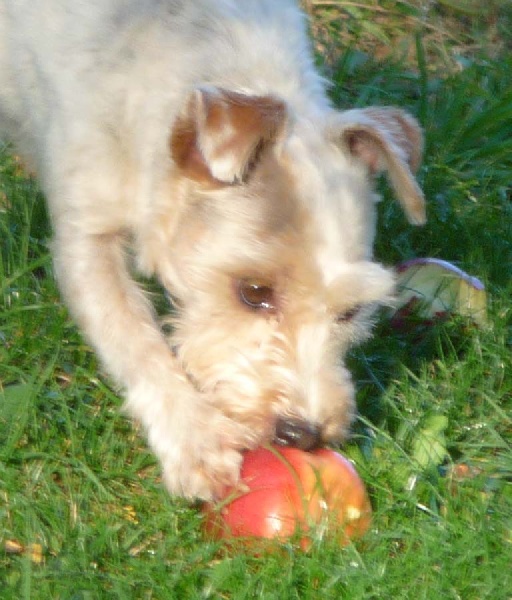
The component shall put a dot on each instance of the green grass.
(77, 482)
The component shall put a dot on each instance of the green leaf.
(429, 444)
(14, 409)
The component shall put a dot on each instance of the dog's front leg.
(184, 429)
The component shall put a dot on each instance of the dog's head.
(269, 253)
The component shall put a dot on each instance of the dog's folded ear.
(390, 140)
(220, 133)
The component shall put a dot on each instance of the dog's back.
(97, 61)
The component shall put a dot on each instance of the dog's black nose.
(297, 433)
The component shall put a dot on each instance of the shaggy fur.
(200, 134)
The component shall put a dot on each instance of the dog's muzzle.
(297, 433)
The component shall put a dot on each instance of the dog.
(195, 142)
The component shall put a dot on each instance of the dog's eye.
(347, 315)
(257, 294)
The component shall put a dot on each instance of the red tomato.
(293, 493)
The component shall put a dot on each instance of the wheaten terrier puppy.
(194, 141)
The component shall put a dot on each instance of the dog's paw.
(206, 461)
(198, 446)
(203, 477)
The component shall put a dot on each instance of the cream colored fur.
(199, 132)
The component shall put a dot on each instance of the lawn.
(83, 514)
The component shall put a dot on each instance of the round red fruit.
(293, 494)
